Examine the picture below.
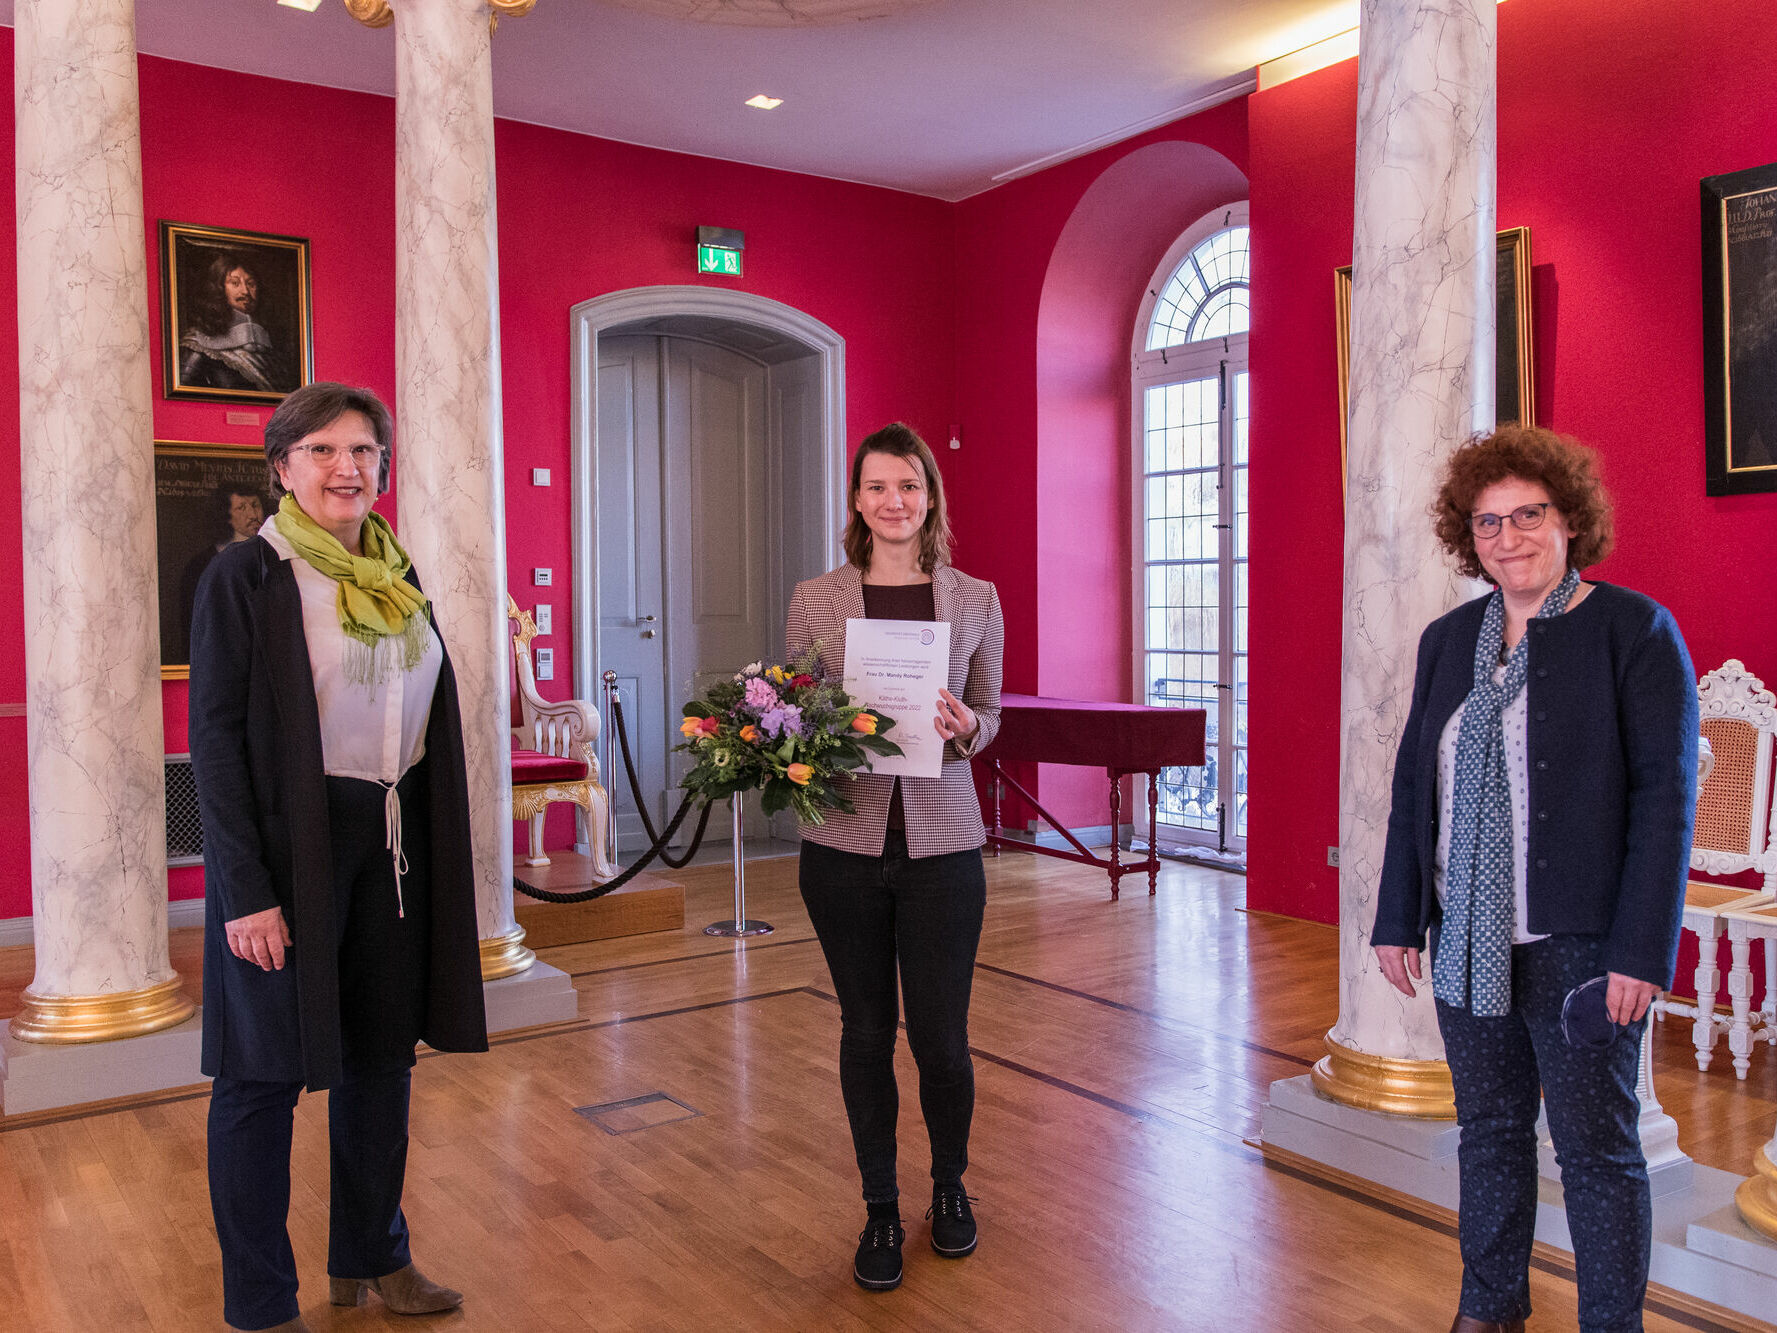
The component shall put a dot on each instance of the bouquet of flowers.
(779, 730)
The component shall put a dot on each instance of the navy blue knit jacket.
(1613, 778)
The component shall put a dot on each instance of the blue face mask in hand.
(1585, 1021)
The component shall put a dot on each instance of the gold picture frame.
(1516, 384)
(236, 314)
(200, 505)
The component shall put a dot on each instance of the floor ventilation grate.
(633, 1113)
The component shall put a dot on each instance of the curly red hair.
(1564, 467)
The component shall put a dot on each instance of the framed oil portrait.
(235, 314)
(1515, 385)
(206, 496)
(1740, 331)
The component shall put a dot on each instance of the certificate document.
(897, 667)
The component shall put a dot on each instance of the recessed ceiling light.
(765, 103)
(306, 6)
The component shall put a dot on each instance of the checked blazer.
(943, 814)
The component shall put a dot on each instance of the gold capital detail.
(505, 955)
(1757, 1196)
(1419, 1088)
(78, 1018)
(377, 14)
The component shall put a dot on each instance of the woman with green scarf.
(339, 904)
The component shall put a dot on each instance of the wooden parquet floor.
(1124, 1051)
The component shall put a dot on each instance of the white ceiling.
(940, 100)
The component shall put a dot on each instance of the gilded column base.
(1757, 1196)
(1419, 1088)
(505, 955)
(79, 1018)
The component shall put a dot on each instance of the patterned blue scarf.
(1473, 967)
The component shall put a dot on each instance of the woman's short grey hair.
(315, 407)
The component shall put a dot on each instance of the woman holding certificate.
(897, 887)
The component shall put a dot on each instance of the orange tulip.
(799, 774)
(691, 728)
(749, 733)
(864, 722)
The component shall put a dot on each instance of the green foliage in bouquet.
(780, 731)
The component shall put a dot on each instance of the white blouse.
(376, 731)
(1514, 721)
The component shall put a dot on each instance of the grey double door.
(685, 546)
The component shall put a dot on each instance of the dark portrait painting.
(234, 315)
(1740, 331)
(206, 496)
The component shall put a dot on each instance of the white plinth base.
(39, 1077)
(1701, 1247)
(539, 994)
(35, 1076)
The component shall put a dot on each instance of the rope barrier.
(657, 849)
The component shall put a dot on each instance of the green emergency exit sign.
(718, 250)
(717, 259)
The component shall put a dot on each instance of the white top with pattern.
(1514, 721)
(374, 732)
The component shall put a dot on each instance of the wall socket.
(545, 663)
(1332, 856)
(545, 618)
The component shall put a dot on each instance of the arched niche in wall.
(1117, 234)
(1092, 291)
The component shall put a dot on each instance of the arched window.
(1190, 509)
(1206, 295)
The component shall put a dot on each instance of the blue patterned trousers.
(1498, 1065)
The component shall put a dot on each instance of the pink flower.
(759, 693)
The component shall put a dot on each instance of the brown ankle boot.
(1464, 1324)
(405, 1291)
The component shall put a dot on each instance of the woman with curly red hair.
(1540, 835)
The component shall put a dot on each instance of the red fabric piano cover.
(1132, 737)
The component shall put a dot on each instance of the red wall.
(1609, 115)
(579, 217)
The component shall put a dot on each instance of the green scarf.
(375, 600)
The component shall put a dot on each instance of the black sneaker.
(953, 1223)
(878, 1265)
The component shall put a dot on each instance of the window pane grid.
(1206, 297)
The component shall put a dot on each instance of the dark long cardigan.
(262, 795)
(1613, 778)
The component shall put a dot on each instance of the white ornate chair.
(1735, 832)
(554, 756)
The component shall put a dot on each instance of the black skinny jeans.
(875, 914)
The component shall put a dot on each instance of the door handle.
(648, 633)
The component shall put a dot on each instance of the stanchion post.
(611, 781)
(739, 927)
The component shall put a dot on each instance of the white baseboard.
(16, 930)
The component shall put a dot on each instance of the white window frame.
(1167, 365)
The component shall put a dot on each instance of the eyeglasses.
(364, 456)
(1525, 518)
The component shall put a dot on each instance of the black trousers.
(877, 916)
(382, 974)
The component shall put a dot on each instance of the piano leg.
(1153, 831)
(1116, 825)
(994, 841)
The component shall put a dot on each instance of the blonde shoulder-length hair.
(900, 440)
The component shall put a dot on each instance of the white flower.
(751, 669)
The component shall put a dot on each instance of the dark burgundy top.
(901, 601)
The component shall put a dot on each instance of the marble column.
(450, 472)
(92, 655)
(1421, 381)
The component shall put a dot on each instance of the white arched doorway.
(707, 472)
